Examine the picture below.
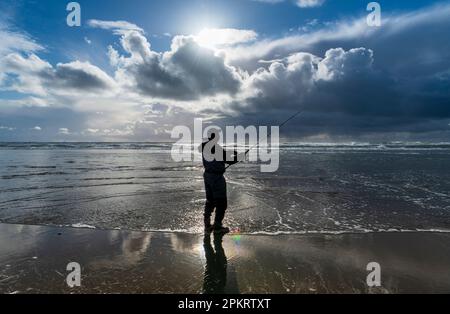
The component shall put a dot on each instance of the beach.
(33, 259)
(247, 147)
(132, 218)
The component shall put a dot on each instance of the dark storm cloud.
(344, 93)
(402, 85)
(314, 83)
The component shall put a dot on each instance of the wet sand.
(33, 259)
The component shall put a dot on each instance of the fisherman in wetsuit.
(214, 160)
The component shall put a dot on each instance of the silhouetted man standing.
(214, 160)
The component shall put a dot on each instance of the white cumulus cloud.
(309, 3)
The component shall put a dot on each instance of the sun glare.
(218, 37)
(209, 37)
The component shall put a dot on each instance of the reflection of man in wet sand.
(215, 278)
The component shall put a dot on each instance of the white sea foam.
(190, 231)
(304, 232)
(330, 232)
(81, 225)
(262, 232)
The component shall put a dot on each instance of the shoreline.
(83, 226)
(33, 259)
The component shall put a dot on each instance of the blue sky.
(134, 81)
(45, 20)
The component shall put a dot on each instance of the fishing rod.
(270, 133)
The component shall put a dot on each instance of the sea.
(318, 188)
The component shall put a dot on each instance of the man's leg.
(221, 207)
(210, 203)
(209, 209)
(220, 198)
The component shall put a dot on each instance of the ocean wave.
(83, 145)
(26, 175)
(392, 146)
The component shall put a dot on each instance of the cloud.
(417, 31)
(49, 119)
(269, 1)
(211, 37)
(30, 101)
(350, 80)
(32, 75)
(64, 131)
(7, 128)
(299, 3)
(25, 73)
(117, 26)
(186, 72)
(37, 128)
(338, 63)
(14, 41)
(342, 94)
(78, 75)
(309, 3)
(297, 80)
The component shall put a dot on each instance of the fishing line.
(270, 133)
